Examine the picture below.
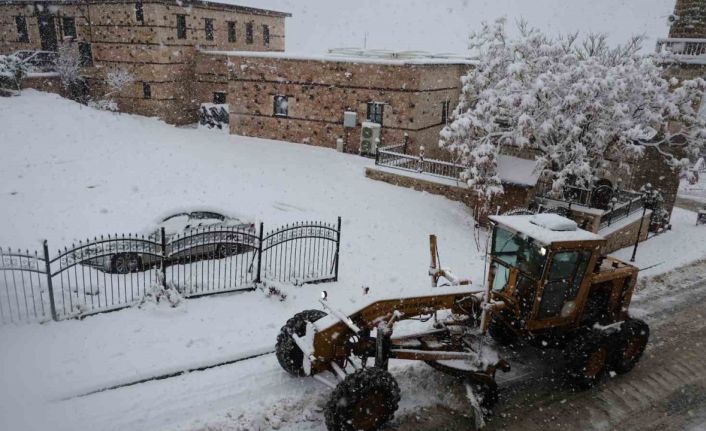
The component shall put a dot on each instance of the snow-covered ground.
(68, 172)
(695, 192)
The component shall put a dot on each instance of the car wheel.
(125, 263)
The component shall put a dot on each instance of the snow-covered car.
(37, 61)
(188, 236)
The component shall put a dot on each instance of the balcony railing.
(685, 48)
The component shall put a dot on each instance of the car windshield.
(519, 251)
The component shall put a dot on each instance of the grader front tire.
(366, 400)
(289, 356)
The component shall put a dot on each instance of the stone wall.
(690, 19)
(319, 92)
(626, 235)
(515, 196)
(149, 50)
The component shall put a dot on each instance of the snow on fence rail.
(116, 271)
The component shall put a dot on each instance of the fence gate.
(24, 295)
(104, 274)
(116, 271)
(302, 253)
(212, 260)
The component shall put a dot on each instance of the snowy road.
(256, 394)
(666, 391)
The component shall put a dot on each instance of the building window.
(146, 90)
(139, 13)
(281, 106)
(181, 26)
(445, 112)
(231, 31)
(219, 97)
(248, 33)
(375, 112)
(266, 35)
(209, 29)
(68, 25)
(22, 33)
(85, 54)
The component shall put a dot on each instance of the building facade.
(303, 98)
(156, 41)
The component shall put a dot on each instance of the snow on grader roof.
(546, 228)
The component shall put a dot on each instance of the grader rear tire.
(588, 358)
(289, 356)
(366, 400)
(630, 345)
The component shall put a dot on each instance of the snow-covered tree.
(68, 65)
(573, 103)
(117, 80)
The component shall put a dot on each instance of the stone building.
(154, 40)
(304, 98)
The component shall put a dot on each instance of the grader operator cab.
(547, 286)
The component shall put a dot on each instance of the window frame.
(22, 29)
(249, 33)
(181, 26)
(265, 35)
(376, 113)
(208, 28)
(68, 22)
(219, 93)
(277, 112)
(146, 90)
(232, 35)
(139, 13)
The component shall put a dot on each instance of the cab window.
(563, 283)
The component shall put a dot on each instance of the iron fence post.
(338, 248)
(47, 268)
(377, 156)
(164, 259)
(259, 254)
(406, 141)
(639, 233)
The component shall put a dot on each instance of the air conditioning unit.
(369, 138)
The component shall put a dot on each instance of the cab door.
(556, 302)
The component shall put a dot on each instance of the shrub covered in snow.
(572, 102)
(12, 70)
(116, 81)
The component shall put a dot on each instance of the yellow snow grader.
(548, 285)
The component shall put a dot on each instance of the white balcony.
(685, 50)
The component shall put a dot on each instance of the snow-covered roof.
(546, 228)
(351, 55)
(514, 170)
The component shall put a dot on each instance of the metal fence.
(396, 157)
(116, 271)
